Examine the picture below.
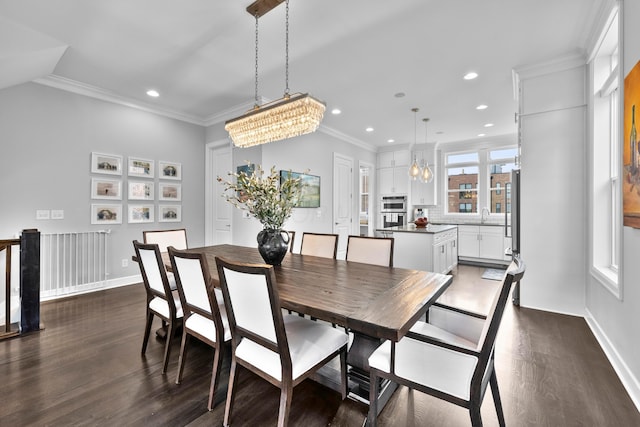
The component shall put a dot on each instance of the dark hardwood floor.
(85, 369)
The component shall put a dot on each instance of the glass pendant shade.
(427, 175)
(414, 170)
(287, 117)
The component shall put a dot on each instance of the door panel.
(222, 211)
(342, 201)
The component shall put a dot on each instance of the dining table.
(374, 303)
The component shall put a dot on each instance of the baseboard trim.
(109, 284)
(629, 381)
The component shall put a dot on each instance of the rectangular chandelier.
(293, 115)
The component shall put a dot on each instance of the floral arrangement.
(262, 197)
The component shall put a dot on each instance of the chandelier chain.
(286, 60)
(256, 89)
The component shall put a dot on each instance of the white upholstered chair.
(284, 349)
(165, 238)
(456, 367)
(318, 244)
(370, 250)
(161, 301)
(204, 314)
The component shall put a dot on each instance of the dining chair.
(161, 300)
(204, 314)
(435, 361)
(165, 238)
(318, 244)
(370, 250)
(292, 238)
(283, 349)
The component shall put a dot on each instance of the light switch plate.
(42, 214)
(57, 214)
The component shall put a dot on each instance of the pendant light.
(414, 170)
(290, 116)
(426, 175)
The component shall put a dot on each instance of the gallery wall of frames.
(130, 188)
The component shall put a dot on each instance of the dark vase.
(273, 245)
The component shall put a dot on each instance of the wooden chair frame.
(372, 240)
(147, 237)
(281, 346)
(335, 245)
(484, 372)
(189, 309)
(172, 320)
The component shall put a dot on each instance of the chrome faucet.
(482, 217)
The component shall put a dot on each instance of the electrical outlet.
(42, 214)
(125, 262)
(57, 214)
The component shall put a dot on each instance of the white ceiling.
(353, 54)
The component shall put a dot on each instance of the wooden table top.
(377, 301)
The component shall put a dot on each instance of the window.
(605, 159)
(464, 207)
(364, 192)
(476, 179)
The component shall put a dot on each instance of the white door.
(219, 212)
(342, 201)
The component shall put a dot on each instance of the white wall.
(553, 204)
(46, 139)
(614, 321)
(312, 152)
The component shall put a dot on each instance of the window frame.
(605, 236)
(483, 164)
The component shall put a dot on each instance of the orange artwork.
(631, 149)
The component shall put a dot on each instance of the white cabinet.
(424, 193)
(391, 159)
(437, 252)
(481, 242)
(393, 172)
(445, 251)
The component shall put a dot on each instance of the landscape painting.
(310, 188)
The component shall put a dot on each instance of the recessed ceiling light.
(369, 129)
(488, 125)
(471, 75)
(439, 132)
(153, 93)
(482, 134)
(336, 111)
(481, 107)
(391, 140)
(399, 95)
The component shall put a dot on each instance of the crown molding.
(346, 138)
(79, 88)
(555, 65)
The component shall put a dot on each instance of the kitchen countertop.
(411, 228)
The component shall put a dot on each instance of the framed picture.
(142, 168)
(170, 170)
(106, 214)
(141, 213)
(310, 197)
(169, 191)
(630, 151)
(102, 188)
(170, 213)
(140, 190)
(106, 163)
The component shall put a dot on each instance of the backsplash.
(435, 214)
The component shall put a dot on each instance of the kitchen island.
(431, 248)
